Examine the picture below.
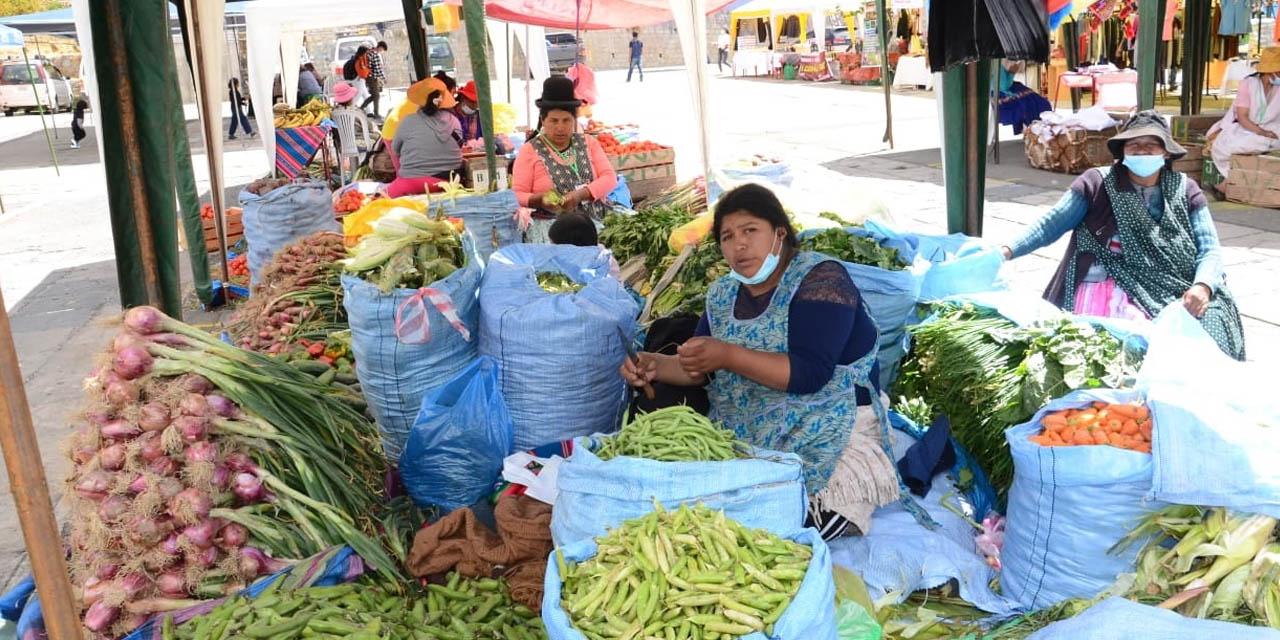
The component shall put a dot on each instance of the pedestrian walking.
(77, 123)
(637, 49)
(237, 110)
(377, 77)
(356, 72)
(722, 49)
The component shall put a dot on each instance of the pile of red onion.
(150, 465)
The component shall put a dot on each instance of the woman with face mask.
(468, 112)
(1252, 124)
(1141, 239)
(560, 170)
(788, 353)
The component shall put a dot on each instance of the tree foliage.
(20, 7)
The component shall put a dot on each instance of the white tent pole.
(528, 74)
(691, 23)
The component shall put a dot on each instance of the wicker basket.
(1072, 151)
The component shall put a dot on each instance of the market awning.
(586, 14)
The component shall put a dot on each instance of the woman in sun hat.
(559, 169)
(428, 144)
(1141, 238)
(1252, 124)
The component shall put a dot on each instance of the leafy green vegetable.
(987, 374)
(846, 246)
(688, 292)
(556, 282)
(642, 234)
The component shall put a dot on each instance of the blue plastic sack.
(890, 296)
(395, 376)
(489, 217)
(1120, 619)
(1224, 448)
(558, 354)
(960, 263)
(1068, 506)
(979, 490)
(31, 622)
(810, 616)
(456, 447)
(12, 602)
(283, 215)
(764, 492)
(621, 194)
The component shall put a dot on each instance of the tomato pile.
(239, 266)
(350, 201)
(615, 148)
(1127, 426)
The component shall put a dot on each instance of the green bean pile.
(688, 574)
(556, 282)
(673, 434)
(459, 610)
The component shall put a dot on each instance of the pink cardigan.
(529, 175)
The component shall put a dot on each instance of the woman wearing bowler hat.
(1141, 238)
(560, 170)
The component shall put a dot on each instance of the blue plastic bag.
(960, 263)
(1068, 506)
(810, 616)
(621, 194)
(394, 375)
(558, 354)
(283, 215)
(1120, 619)
(763, 492)
(456, 447)
(890, 296)
(31, 622)
(489, 217)
(979, 490)
(12, 602)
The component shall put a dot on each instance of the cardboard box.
(1256, 196)
(1209, 173)
(1186, 127)
(1195, 151)
(642, 189)
(1263, 162)
(648, 173)
(478, 172)
(665, 155)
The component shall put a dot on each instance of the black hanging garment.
(962, 31)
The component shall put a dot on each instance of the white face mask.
(467, 110)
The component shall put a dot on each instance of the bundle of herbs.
(202, 466)
(642, 234)
(408, 250)
(687, 293)
(987, 374)
(554, 282)
(842, 245)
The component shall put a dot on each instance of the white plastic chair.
(348, 145)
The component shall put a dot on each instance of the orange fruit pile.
(1127, 426)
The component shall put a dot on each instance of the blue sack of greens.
(489, 218)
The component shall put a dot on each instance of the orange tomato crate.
(665, 155)
(234, 229)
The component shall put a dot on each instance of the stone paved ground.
(59, 282)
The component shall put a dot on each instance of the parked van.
(53, 88)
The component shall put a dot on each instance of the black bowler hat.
(557, 93)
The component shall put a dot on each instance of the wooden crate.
(234, 229)
(1189, 127)
(665, 155)
(649, 181)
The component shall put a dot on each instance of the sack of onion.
(202, 466)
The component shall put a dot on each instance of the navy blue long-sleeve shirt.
(828, 325)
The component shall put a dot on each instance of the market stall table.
(296, 146)
(913, 71)
(755, 63)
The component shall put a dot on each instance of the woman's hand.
(1196, 299)
(701, 355)
(572, 200)
(638, 375)
(1007, 253)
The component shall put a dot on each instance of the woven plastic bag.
(283, 215)
(810, 616)
(1120, 619)
(455, 450)
(762, 492)
(558, 354)
(395, 372)
(1069, 506)
(960, 263)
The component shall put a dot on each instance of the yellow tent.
(776, 12)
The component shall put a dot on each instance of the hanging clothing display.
(1170, 16)
(904, 25)
(1235, 17)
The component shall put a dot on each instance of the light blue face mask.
(1144, 165)
(766, 269)
(1275, 80)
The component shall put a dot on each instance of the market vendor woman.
(788, 352)
(1141, 239)
(560, 170)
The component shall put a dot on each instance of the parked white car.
(53, 88)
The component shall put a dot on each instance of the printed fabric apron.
(568, 177)
(815, 426)
(1157, 262)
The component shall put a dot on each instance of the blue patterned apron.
(815, 426)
